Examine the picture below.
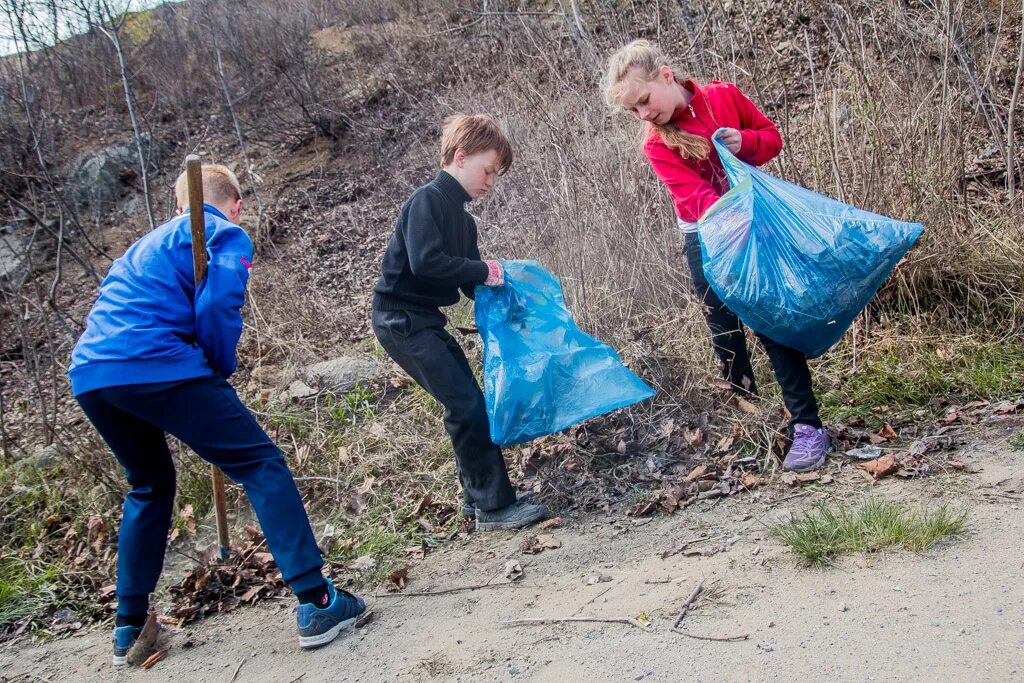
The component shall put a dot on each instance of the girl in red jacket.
(681, 117)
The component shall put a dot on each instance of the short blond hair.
(475, 133)
(219, 185)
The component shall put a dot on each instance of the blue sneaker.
(320, 625)
(124, 638)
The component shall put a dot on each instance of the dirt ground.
(955, 613)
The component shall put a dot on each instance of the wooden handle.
(194, 172)
(197, 220)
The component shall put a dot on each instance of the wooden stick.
(562, 620)
(689, 603)
(237, 669)
(197, 219)
(717, 639)
(443, 591)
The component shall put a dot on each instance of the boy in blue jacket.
(154, 359)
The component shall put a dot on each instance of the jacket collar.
(451, 188)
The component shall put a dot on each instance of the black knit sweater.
(433, 252)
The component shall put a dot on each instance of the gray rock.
(47, 458)
(295, 391)
(341, 374)
(13, 259)
(101, 178)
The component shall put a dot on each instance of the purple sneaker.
(810, 446)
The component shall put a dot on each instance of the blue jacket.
(149, 323)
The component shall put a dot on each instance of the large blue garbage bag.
(541, 372)
(794, 265)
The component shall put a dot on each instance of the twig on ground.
(689, 603)
(237, 669)
(717, 639)
(562, 620)
(443, 591)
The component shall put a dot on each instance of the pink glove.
(495, 275)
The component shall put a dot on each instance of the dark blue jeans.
(206, 414)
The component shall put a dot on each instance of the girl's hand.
(732, 139)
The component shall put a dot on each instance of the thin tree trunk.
(113, 32)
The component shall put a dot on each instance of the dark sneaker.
(320, 625)
(124, 638)
(469, 507)
(810, 446)
(514, 516)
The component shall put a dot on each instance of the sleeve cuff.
(748, 144)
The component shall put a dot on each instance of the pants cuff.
(132, 605)
(308, 581)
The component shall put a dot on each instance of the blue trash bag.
(541, 372)
(794, 265)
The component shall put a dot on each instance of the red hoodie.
(696, 185)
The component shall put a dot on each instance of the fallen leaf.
(549, 541)
(749, 480)
(790, 478)
(746, 406)
(397, 579)
(696, 473)
(357, 501)
(532, 545)
(550, 523)
(888, 432)
(251, 593)
(721, 384)
(694, 438)
(808, 477)
(880, 468)
(955, 465)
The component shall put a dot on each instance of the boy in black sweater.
(432, 255)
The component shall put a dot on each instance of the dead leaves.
(396, 580)
(531, 545)
(880, 468)
(221, 586)
(357, 501)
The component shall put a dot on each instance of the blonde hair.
(219, 185)
(474, 133)
(643, 59)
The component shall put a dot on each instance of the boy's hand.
(495, 275)
(732, 139)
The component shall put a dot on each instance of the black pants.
(418, 342)
(730, 345)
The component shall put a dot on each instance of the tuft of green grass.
(1017, 441)
(26, 588)
(825, 532)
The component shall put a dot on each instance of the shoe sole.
(120, 661)
(504, 526)
(470, 511)
(307, 642)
